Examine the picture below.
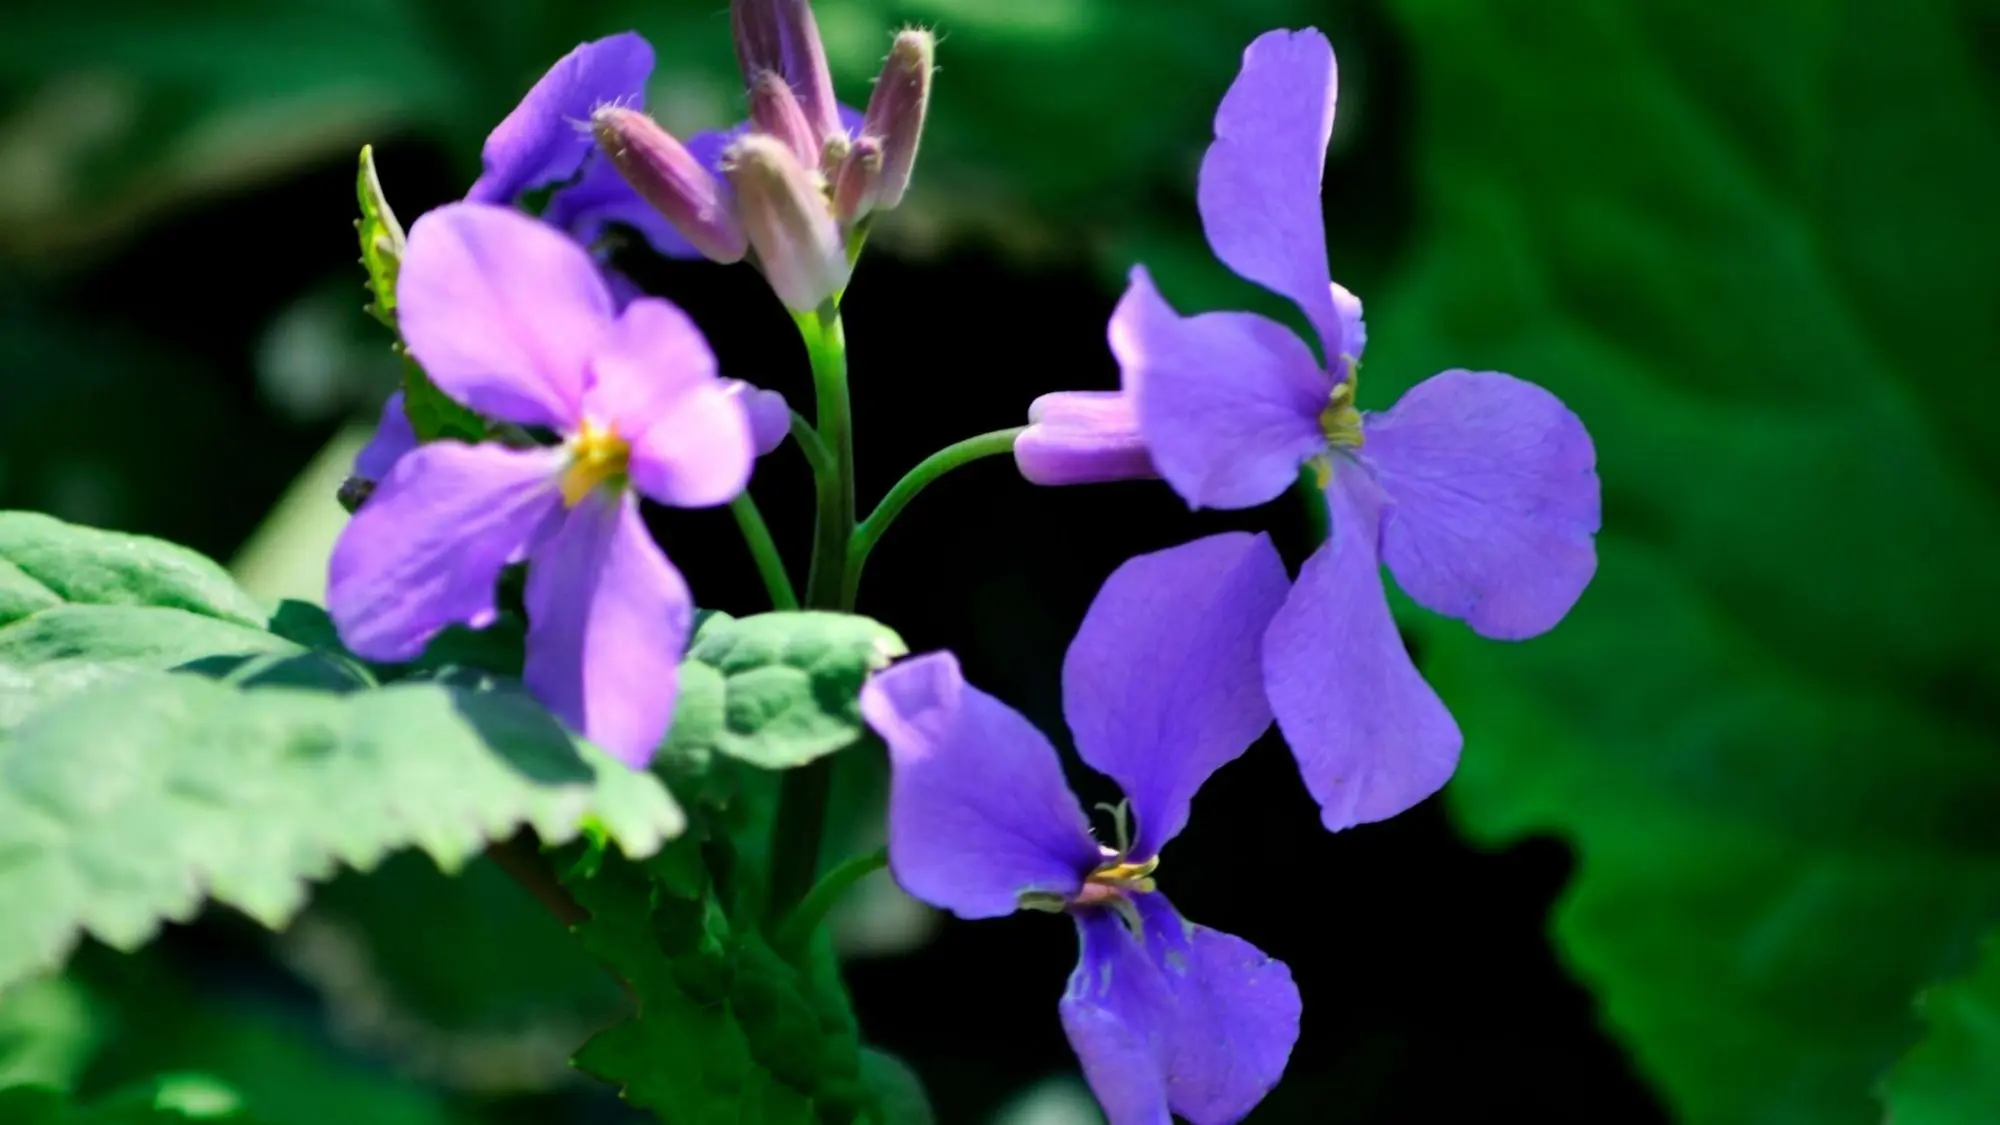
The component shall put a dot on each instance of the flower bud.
(667, 175)
(785, 214)
(782, 36)
(896, 110)
(776, 112)
(1083, 437)
(857, 182)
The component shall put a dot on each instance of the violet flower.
(512, 319)
(1160, 688)
(1479, 490)
(544, 143)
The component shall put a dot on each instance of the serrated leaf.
(81, 565)
(381, 240)
(70, 648)
(490, 994)
(129, 804)
(1766, 728)
(792, 683)
(726, 1030)
(1952, 1076)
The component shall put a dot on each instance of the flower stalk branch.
(916, 480)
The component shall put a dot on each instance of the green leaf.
(131, 803)
(45, 562)
(491, 994)
(1767, 728)
(72, 648)
(48, 1030)
(791, 685)
(165, 1102)
(896, 1091)
(1952, 1077)
(725, 1029)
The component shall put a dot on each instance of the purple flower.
(1160, 688)
(393, 438)
(513, 320)
(545, 141)
(1477, 489)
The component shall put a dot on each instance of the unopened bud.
(782, 36)
(776, 112)
(667, 175)
(785, 214)
(896, 110)
(857, 183)
(1083, 437)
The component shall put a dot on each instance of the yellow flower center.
(1340, 421)
(598, 456)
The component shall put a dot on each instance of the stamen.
(598, 456)
(1340, 421)
(1121, 823)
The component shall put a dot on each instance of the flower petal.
(1229, 402)
(978, 809)
(539, 143)
(1494, 500)
(1260, 181)
(1186, 1020)
(654, 381)
(608, 618)
(502, 312)
(1083, 437)
(770, 416)
(393, 438)
(1164, 682)
(426, 548)
(601, 197)
(1371, 737)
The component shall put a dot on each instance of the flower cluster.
(1477, 490)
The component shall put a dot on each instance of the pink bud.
(667, 175)
(1083, 437)
(785, 213)
(776, 112)
(896, 110)
(857, 182)
(782, 36)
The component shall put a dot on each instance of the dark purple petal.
(1260, 182)
(502, 312)
(541, 142)
(1083, 437)
(393, 438)
(979, 813)
(426, 548)
(601, 197)
(1229, 402)
(1494, 500)
(1164, 682)
(1186, 1020)
(1371, 737)
(654, 382)
(770, 415)
(608, 622)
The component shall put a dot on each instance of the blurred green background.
(1712, 838)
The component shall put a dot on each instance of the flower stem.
(1319, 522)
(763, 549)
(802, 797)
(814, 450)
(929, 469)
(797, 927)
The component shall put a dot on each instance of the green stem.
(915, 481)
(1319, 521)
(815, 450)
(798, 926)
(764, 549)
(802, 797)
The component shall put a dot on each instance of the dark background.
(1711, 837)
